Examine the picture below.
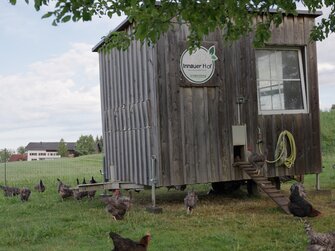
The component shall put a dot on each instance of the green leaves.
(236, 18)
(66, 19)
(48, 14)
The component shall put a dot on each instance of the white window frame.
(303, 84)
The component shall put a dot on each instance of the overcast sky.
(49, 78)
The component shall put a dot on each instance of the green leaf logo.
(214, 58)
(211, 52)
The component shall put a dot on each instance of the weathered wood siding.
(196, 122)
(128, 114)
(149, 109)
(305, 127)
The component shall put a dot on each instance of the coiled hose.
(281, 151)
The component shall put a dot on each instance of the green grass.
(237, 222)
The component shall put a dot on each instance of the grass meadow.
(235, 222)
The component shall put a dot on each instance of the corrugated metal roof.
(126, 22)
(48, 146)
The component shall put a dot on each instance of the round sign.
(198, 67)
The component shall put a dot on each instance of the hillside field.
(235, 222)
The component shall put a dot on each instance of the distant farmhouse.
(47, 150)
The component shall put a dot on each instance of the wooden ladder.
(265, 185)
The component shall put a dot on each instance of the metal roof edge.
(121, 26)
(126, 22)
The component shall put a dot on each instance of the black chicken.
(319, 241)
(301, 189)
(77, 194)
(24, 194)
(177, 187)
(91, 194)
(64, 191)
(40, 187)
(85, 193)
(10, 191)
(298, 205)
(190, 201)
(125, 244)
(117, 205)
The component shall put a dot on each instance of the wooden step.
(264, 184)
(281, 201)
(259, 179)
(277, 195)
(270, 190)
(267, 186)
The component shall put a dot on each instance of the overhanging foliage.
(153, 18)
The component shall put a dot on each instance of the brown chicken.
(257, 161)
(24, 194)
(64, 191)
(40, 187)
(125, 244)
(117, 205)
(298, 205)
(10, 191)
(190, 201)
(319, 241)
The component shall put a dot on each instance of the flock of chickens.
(118, 205)
(23, 192)
(300, 207)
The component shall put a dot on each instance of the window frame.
(303, 82)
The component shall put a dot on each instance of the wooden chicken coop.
(175, 117)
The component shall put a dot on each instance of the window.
(280, 81)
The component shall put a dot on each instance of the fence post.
(5, 167)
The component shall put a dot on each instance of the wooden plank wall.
(305, 127)
(196, 122)
(127, 93)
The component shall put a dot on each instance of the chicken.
(40, 187)
(125, 244)
(319, 241)
(190, 201)
(77, 194)
(91, 194)
(10, 191)
(64, 191)
(301, 189)
(85, 193)
(24, 194)
(117, 205)
(177, 187)
(257, 161)
(298, 205)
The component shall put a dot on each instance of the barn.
(175, 117)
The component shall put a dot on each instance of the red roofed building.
(18, 157)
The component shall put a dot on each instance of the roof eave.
(126, 22)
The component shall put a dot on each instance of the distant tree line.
(5, 155)
(85, 145)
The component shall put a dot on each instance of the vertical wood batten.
(162, 101)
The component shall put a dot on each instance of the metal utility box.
(239, 135)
